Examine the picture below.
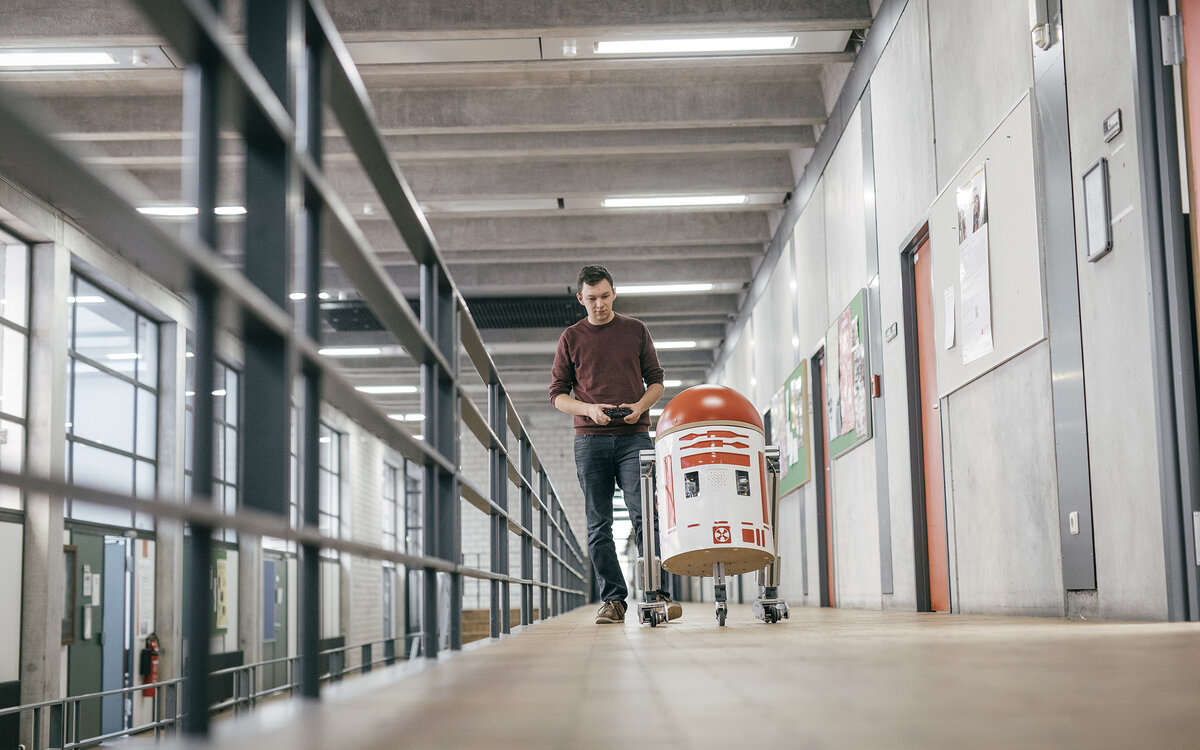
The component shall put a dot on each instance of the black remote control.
(618, 412)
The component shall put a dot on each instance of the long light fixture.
(411, 417)
(669, 384)
(86, 299)
(672, 201)
(55, 59)
(664, 288)
(379, 390)
(351, 351)
(674, 344)
(693, 45)
(176, 211)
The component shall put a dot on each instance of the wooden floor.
(822, 679)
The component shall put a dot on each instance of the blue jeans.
(604, 462)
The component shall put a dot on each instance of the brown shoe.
(611, 612)
(674, 608)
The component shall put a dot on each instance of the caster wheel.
(653, 619)
(721, 618)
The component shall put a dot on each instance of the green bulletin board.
(789, 417)
(847, 396)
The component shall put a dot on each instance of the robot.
(714, 483)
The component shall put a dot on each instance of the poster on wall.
(220, 592)
(974, 280)
(789, 415)
(847, 395)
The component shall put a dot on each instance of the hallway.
(823, 679)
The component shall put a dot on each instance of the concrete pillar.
(45, 456)
(168, 569)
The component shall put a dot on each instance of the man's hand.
(635, 415)
(595, 412)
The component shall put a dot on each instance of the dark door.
(275, 630)
(85, 657)
(823, 477)
(936, 557)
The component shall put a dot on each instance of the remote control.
(618, 412)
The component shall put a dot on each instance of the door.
(114, 648)
(274, 620)
(936, 556)
(85, 657)
(1190, 70)
(823, 476)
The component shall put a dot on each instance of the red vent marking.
(717, 444)
(692, 525)
(712, 433)
(736, 459)
(670, 484)
(749, 536)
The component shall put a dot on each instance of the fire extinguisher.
(149, 664)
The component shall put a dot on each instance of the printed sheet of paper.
(974, 280)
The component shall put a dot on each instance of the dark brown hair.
(592, 275)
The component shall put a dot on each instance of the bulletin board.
(789, 419)
(1013, 271)
(847, 394)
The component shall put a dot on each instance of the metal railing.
(249, 89)
(63, 714)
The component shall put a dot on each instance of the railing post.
(543, 534)
(439, 398)
(527, 524)
(366, 657)
(56, 737)
(498, 472)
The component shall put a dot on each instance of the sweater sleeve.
(562, 374)
(652, 372)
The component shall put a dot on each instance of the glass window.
(226, 456)
(390, 514)
(12, 459)
(14, 282)
(112, 427)
(103, 408)
(14, 359)
(329, 505)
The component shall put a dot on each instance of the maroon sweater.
(609, 364)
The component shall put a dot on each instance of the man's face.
(598, 299)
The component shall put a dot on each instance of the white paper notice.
(948, 337)
(974, 280)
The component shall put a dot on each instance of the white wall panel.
(982, 64)
(775, 356)
(812, 293)
(1004, 491)
(902, 124)
(845, 219)
(1115, 323)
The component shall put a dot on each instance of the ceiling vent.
(350, 316)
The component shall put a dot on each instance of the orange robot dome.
(707, 403)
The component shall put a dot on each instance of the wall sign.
(847, 392)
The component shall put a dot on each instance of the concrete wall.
(951, 75)
(905, 185)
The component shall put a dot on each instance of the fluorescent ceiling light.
(220, 392)
(674, 344)
(658, 409)
(386, 389)
(86, 299)
(124, 355)
(54, 59)
(669, 384)
(190, 210)
(351, 351)
(414, 417)
(297, 295)
(664, 288)
(661, 201)
(678, 45)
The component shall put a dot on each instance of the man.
(608, 361)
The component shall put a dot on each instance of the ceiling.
(511, 130)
